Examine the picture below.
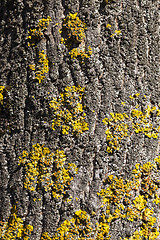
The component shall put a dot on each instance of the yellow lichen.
(82, 53)
(123, 195)
(15, 228)
(116, 32)
(120, 126)
(73, 33)
(44, 169)
(1, 94)
(45, 236)
(36, 34)
(80, 227)
(42, 67)
(157, 160)
(128, 200)
(74, 28)
(68, 111)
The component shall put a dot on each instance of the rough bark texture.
(118, 68)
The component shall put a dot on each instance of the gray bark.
(118, 68)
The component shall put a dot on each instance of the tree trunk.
(124, 38)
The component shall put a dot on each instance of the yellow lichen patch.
(147, 168)
(142, 122)
(68, 111)
(45, 236)
(42, 67)
(73, 33)
(80, 227)
(36, 33)
(82, 53)
(15, 228)
(157, 160)
(32, 67)
(117, 130)
(120, 126)
(108, 25)
(103, 230)
(45, 170)
(130, 199)
(140, 202)
(116, 32)
(1, 94)
(74, 28)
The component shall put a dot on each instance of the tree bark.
(119, 67)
